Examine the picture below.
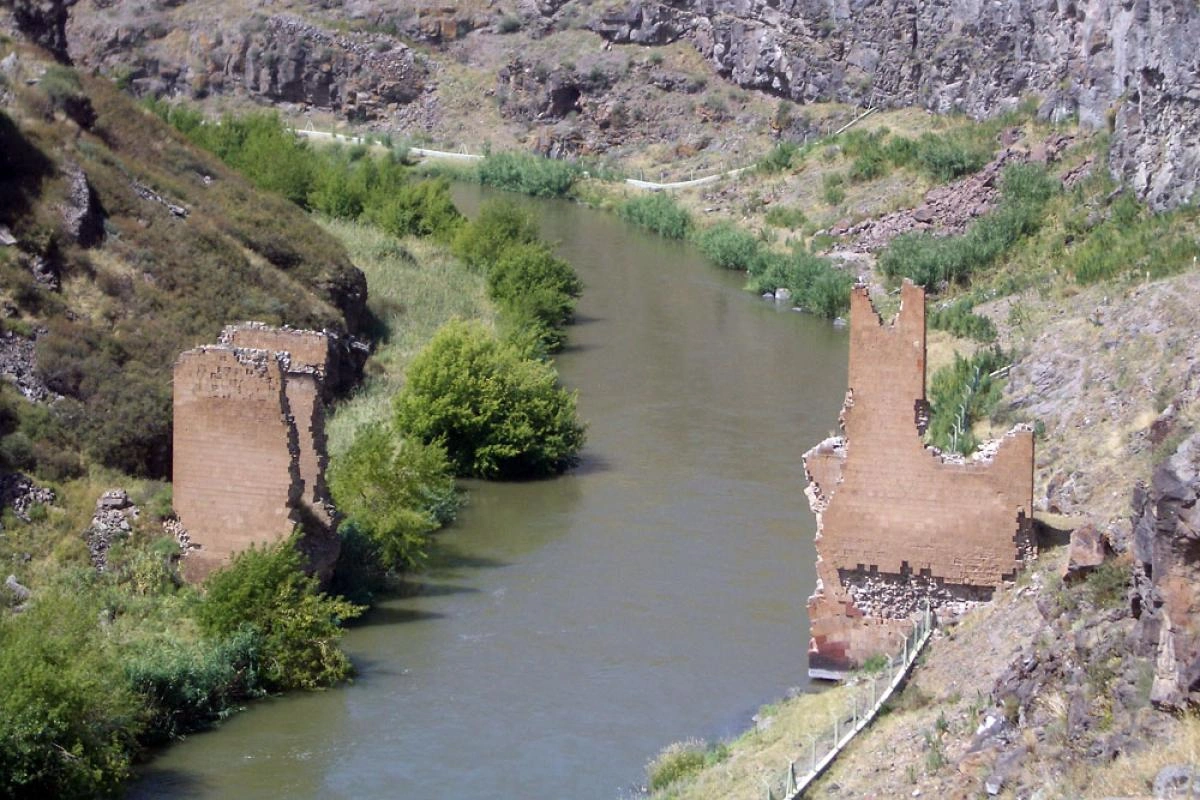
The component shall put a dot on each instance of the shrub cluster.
(1132, 241)
(815, 283)
(659, 212)
(779, 158)
(961, 394)
(529, 174)
(266, 593)
(681, 760)
(98, 665)
(535, 290)
(930, 260)
(958, 318)
(394, 492)
(342, 182)
(728, 246)
(497, 413)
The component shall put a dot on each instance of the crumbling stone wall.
(249, 446)
(307, 365)
(898, 523)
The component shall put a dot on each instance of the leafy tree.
(68, 720)
(266, 591)
(498, 415)
(395, 491)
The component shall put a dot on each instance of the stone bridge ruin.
(898, 523)
(249, 446)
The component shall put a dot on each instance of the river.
(571, 628)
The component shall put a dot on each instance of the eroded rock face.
(44, 22)
(1166, 548)
(1128, 65)
(280, 59)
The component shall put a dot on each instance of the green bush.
(728, 246)
(497, 414)
(395, 491)
(961, 394)
(815, 283)
(958, 319)
(528, 174)
(265, 591)
(831, 188)
(534, 289)
(951, 155)
(1134, 242)
(422, 208)
(779, 158)
(659, 212)
(68, 719)
(500, 224)
(929, 260)
(785, 217)
(188, 686)
(676, 762)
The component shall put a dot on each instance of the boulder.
(1087, 550)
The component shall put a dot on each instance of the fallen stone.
(19, 593)
(1087, 550)
(6, 237)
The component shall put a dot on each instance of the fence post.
(854, 699)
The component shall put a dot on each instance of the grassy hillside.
(172, 246)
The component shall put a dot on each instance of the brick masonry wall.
(889, 506)
(236, 456)
(307, 364)
(250, 451)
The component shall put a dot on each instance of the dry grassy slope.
(155, 281)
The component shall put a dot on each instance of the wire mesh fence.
(867, 697)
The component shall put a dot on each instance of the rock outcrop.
(279, 59)
(43, 22)
(1166, 549)
(1130, 66)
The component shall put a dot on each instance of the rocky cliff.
(1166, 547)
(1131, 66)
(276, 59)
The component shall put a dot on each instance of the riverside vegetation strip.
(100, 664)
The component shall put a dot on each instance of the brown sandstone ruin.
(249, 446)
(899, 524)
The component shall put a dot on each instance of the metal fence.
(866, 698)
